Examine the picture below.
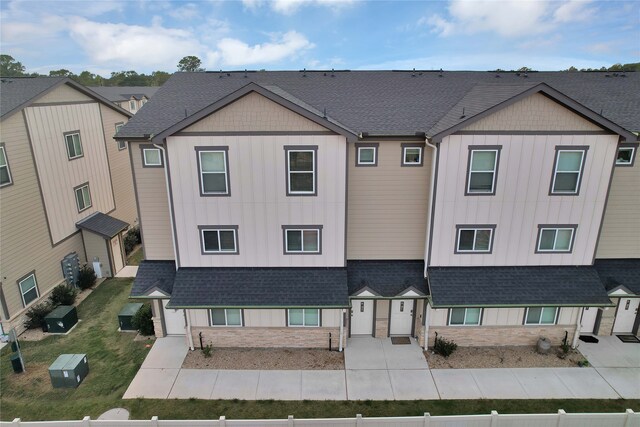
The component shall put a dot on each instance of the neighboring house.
(130, 98)
(66, 192)
(299, 208)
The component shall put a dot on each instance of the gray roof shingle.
(154, 275)
(102, 224)
(17, 91)
(124, 93)
(386, 278)
(619, 272)
(516, 286)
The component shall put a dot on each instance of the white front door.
(173, 320)
(401, 317)
(362, 317)
(116, 255)
(626, 315)
(588, 321)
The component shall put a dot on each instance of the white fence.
(561, 419)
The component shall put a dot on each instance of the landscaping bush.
(142, 320)
(86, 277)
(206, 350)
(444, 347)
(35, 315)
(63, 295)
(131, 239)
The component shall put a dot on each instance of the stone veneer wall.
(479, 336)
(265, 337)
(156, 309)
(382, 328)
(608, 318)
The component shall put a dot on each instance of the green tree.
(191, 64)
(158, 78)
(62, 72)
(88, 79)
(524, 69)
(572, 69)
(9, 67)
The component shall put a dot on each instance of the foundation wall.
(479, 336)
(261, 337)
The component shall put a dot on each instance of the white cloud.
(235, 52)
(184, 13)
(574, 10)
(288, 7)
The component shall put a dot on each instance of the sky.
(147, 35)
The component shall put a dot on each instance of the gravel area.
(265, 358)
(503, 357)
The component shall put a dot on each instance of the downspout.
(189, 337)
(426, 325)
(429, 213)
(342, 314)
(576, 335)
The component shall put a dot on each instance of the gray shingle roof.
(386, 102)
(386, 278)
(259, 287)
(516, 286)
(619, 272)
(124, 93)
(102, 224)
(17, 91)
(154, 275)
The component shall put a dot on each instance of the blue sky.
(146, 35)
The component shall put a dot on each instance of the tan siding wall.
(254, 112)
(58, 175)
(513, 316)
(154, 208)
(388, 204)
(620, 236)
(536, 112)
(63, 93)
(265, 318)
(96, 246)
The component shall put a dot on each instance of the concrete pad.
(456, 384)
(406, 356)
(166, 353)
(128, 271)
(151, 384)
(116, 414)
(498, 384)
(324, 385)
(413, 385)
(625, 381)
(542, 383)
(369, 384)
(585, 383)
(279, 385)
(197, 383)
(610, 352)
(364, 353)
(236, 384)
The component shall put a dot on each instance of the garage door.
(361, 317)
(173, 320)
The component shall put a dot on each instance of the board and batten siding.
(265, 318)
(522, 199)
(63, 94)
(388, 205)
(59, 175)
(153, 205)
(258, 204)
(513, 316)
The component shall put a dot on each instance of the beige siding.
(620, 236)
(253, 112)
(265, 318)
(59, 175)
(199, 317)
(96, 247)
(331, 318)
(154, 215)
(63, 93)
(258, 204)
(536, 112)
(513, 316)
(388, 206)
(521, 202)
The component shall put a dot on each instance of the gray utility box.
(60, 320)
(125, 318)
(68, 370)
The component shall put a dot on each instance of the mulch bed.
(265, 358)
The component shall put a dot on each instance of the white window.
(555, 239)
(213, 172)
(121, 144)
(132, 105)
(465, 316)
(226, 317)
(625, 156)
(303, 317)
(218, 240)
(5, 173)
(471, 239)
(74, 145)
(482, 171)
(302, 241)
(411, 155)
(301, 173)
(541, 316)
(367, 155)
(144, 101)
(152, 157)
(28, 289)
(568, 170)
(83, 197)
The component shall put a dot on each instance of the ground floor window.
(226, 317)
(28, 289)
(465, 316)
(541, 316)
(304, 317)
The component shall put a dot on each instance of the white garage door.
(173, 320)
(361, 317)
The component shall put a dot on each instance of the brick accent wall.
(382, 328)
(268, 337)
(479, 336)
(420, 335)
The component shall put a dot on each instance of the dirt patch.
(265, 358)
(503, 357)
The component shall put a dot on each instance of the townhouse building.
(66, 189)
(130, 98)
(301, 208)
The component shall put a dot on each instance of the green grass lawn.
(114, 358)
(136, 257)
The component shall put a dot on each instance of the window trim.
(375, 146)
(471, 150)
(628, 145)
(203, 228)
(6, 158)
(143, 148)
(568, 148)
(404, 147)
(289, 325)
(214, 148)
(66, 144)
(118, 126)
(35, 280)
(555, 318)
(476, 227)
(133, 105)
(226, 325)
(541, 227)
(298, 148)
(465, 316)
(301, 228)
(75, 194)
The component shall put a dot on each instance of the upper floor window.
(226, 317)
(74, 145)
(482, 170)
(541, 316)
(5, 172)
(412, 154)
(465, 316)
(133, 105)
(626, 154)
(144, 101)
(303, 317)
(28, 289)
(301, 170)
(567, 170)
(302, 239)
(121, 144)
(152, 157)
(474, 238)
(219, 239)
(555, 238)
(213, 164)
(367, 154)
(83, 197)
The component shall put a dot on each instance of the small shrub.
(142, 320)
(63, 295)
(206, 350)
(444, 347)
(131, 239)
(86, 277)
(35, 315)
(584, 363)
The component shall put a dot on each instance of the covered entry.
(102, 237)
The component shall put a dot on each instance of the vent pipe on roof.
(245, 73)
(413, 74)
(324, 113)
(440, 75)
(332, 73)
(462, 116)
(304, 72)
